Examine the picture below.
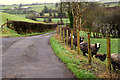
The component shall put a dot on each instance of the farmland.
(36, 20)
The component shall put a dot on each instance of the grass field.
(10, 33)
(39, 8)
(16, 18)
(103, 42)
(55, 20)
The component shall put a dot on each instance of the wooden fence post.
(89, 51)
(108, 52)
(7, 22)
(60, 34)
(56, 30)
(78, 42)
(72, 39)
(63, 35)
(67, 37)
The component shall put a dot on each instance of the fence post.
(72, 39)
(108, 52)
(7, 22)
(60, 34)
(78, 42)
(67, 37)
(56, 30)
(89, 51)
(63, 35)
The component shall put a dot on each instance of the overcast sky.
(8, 2)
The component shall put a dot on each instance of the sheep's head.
(81, 39)
(100, 56)
(104, 57)
(97, 45)
(72, 36)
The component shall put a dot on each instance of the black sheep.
(74, 41)
(94, 48)
(100, 56)
(115, 60)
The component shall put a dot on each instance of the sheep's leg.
(114, 67)
(84, 54)
(92, 54)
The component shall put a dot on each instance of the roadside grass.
(69, 59)
(10, 33)
(78, 64)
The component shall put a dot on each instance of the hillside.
(15, 18)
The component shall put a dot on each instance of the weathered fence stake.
(78, 42)
(72, 39)
(60, 34)
(7, 22)
(67, 37)
(56, 30)
(89, 51)
(108, 52)
(63, 35)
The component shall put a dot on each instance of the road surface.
(31, 57)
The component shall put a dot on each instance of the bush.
(31, 16)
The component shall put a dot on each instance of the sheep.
(74, 40)
(115, 60)
(100, 56)
(94, 48)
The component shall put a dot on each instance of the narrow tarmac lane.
(31, 57)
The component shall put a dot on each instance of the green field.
(55, 20)
(103, 42)
(16, 18)
(10, 33)
(39, 8)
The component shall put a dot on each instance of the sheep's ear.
(95, 45)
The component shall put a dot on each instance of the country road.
(31, 57)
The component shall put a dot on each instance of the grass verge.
(10, 33)
(70, 60)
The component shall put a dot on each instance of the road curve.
(31, 57)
